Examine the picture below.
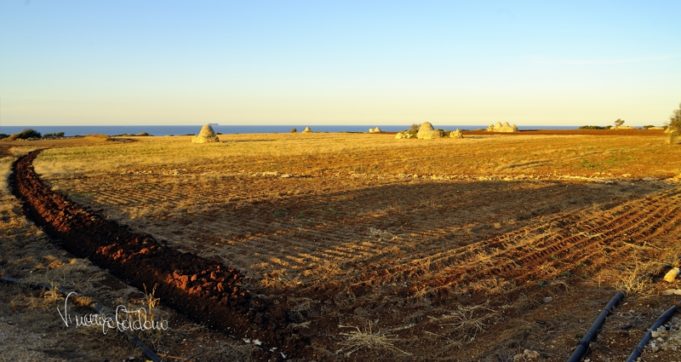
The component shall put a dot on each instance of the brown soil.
(447, 268)
(204, 289)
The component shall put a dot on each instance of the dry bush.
(670, 254)
(633, 279)
(53, 294)
(367, 339)
(150, 303)
(467, 321)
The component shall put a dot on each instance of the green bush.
(675, 119)
(141, 134)
(413, 130)
(594, 127)
(26, 134)
(54, 135)
(3, 135)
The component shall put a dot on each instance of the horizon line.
(320, 124)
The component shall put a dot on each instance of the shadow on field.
(291, 232)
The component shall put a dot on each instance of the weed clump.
(368, 340)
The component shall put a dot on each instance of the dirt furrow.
(524, 260)
(205, 290)
(523, 269)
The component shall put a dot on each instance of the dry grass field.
(467, 249)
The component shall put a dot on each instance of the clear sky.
(545, 62)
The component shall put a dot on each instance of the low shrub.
(25, 134)
(595, 127)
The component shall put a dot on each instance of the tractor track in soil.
(217, 295)
(632, 222)
(205, 290)
(562, 244)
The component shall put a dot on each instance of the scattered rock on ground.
(527, 355)
(456, 134)
(502, 127)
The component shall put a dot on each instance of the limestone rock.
(527, 355)
(456, 134)
(404, 135)
(502, 127)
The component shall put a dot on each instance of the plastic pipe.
(646, 337)
(583, 345)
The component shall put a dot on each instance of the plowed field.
(472, 249)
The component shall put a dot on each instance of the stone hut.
(206, 135)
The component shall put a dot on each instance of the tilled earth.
(207, 290)
(433, 269)
(30, 325)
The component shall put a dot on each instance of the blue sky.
(342, 62)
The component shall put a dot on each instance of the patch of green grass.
(584, 163)
(620, 158)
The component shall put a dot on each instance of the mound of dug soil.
(205, 290)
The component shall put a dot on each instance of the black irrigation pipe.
(148, 352)
(646, 337)
(583, 346)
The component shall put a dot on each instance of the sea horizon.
(176, 130)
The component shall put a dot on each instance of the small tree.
(675, 120)
(414, 129)
(619, 122)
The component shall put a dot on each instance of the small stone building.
(206, 135)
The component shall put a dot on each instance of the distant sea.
(183, 130)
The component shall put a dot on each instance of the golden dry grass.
(369, 340)
(341, 194)
(379, 154)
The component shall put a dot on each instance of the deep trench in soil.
(205, 290)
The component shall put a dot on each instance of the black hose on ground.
(148, 352)
(583, 346)
(649, 333)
